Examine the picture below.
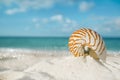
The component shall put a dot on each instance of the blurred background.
(51, 22)
(58, 18)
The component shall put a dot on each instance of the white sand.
(37, 67)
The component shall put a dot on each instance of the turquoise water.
(39, 43)
(49, 43)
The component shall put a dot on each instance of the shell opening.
(86, 50)
(89, 51)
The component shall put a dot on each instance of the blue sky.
(59, 17)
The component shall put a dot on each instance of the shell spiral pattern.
(86, 42)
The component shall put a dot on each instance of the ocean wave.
(23, 50)
(26, 51)
(10, 53)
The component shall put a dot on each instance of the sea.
(16, 44)
(48, 58)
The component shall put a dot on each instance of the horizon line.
(56, 36)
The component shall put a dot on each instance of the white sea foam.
(22, 64)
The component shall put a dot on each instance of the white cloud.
(108, 25)
(35, 19)
(36, 4)
(117, 22)
(13, 11)
(63, 23)
(68, 20)
(85, 6)
(32, 4)
(7, 2)
(27, 4)
(58, 18)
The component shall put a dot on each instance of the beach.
(41, 66)
(48, 58)
(59, 39)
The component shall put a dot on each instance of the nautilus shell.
(86, 42)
